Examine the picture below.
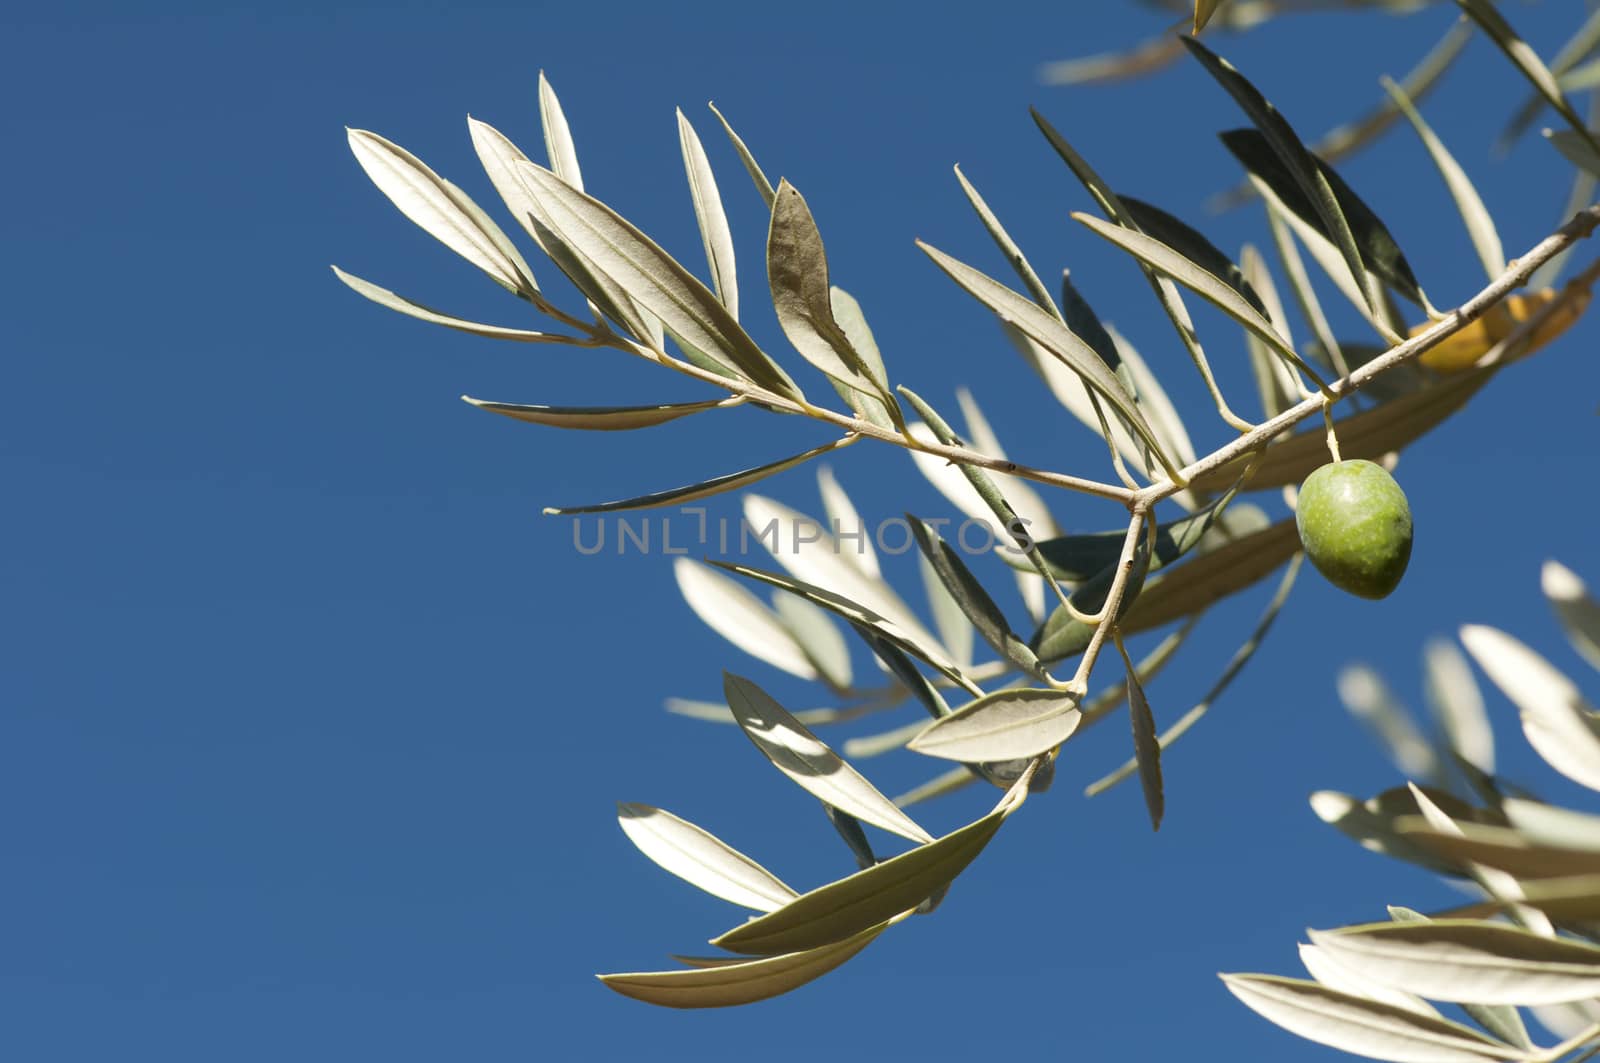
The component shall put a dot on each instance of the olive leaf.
(1526, 60)
(1005, 725)
(798, 753)
(1377, 253)
(923, 648)
(1578, 613)
(797, 271)
(558, 144)
(1457, 704)
(818, 638)
(740, 617)
(753, 168)
(1305, 172)
(1008, 247)
(440, 209)
(500, 159)
(702, 859)
(652, 277)
(1146, 746)
(705, 488)
(1476, 217)
(1564, 69)
(711, 218)
(841, 909)
(1368, 698)
(1559, 725)
(1194, 246)
(1364, 1027)
(1051, 334)
(716, 984)
(1466, 961)
(384, 297)
(596, 418)
(973, 600)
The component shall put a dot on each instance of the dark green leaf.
(974, 601)
(706, 488)
(1378, 251)
(596, 418)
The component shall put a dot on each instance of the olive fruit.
(1355, 526)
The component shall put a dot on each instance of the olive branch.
(642, 302)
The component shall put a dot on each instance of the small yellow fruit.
(1355, 526)
(1463, 349)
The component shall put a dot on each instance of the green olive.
(1355, 526)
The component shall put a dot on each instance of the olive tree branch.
(1579, 227)
(860, 426)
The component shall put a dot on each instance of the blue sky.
(315, 724)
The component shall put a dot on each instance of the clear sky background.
(313, 725)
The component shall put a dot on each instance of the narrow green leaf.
(1052, 335)
(1501, 848)
(1079, 558)
(1194, 246)
(956, 633)
(1578, 613)
(1377, 251)
(1548, 825)
(844, 908)
(922, 649)
(948, 782)
(807, 761)
(1008, 247)
(439, 209)
(1579, 151)
(970, 595)
(384, 297)
(1559, 725)
(1457, 704)
(1526, 60)
(652, 277)
(1277, 384)
(1183, 590)
(1564, 69)
(740, 617)
(1113, 208)
(708, 213)
(804, 548)
(1305, 171)
(1001, 726)
(797, 272)
(1363, 1027)
(1348, 137)
(563, 154)
(721, 985)
(1203, 10)
(752, 167)
(596, 418)
(705, 488)
(1476, 217)
(1146, 747)
(817, 636)
(1465, 961)
(500, 159)
(847, 313)
(701, 859)
(1214, 290)
(846, 522)
(1368, 698)
(1319, 964)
